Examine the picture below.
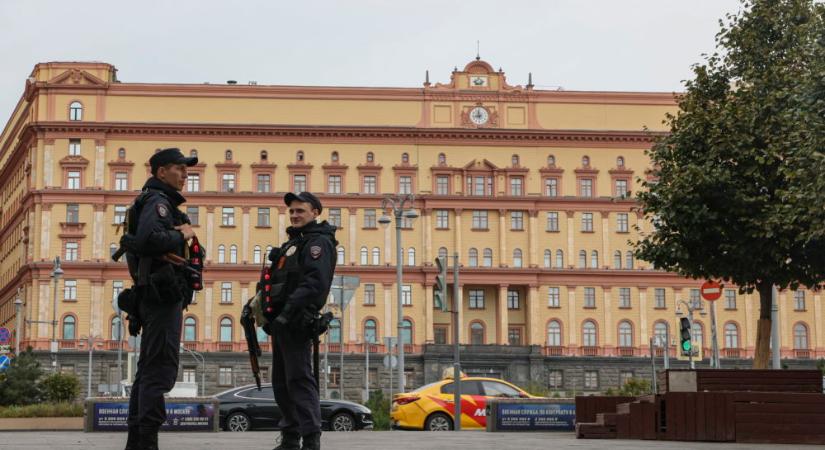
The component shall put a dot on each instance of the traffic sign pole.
(711, 291)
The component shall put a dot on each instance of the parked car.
(246, 408)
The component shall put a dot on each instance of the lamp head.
(385, 220)
(411, 214)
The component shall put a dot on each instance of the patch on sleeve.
(162, 210)
(315, 251)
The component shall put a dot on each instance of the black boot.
(290, 440)
(149, 438)
(312, 441)
(133, 441)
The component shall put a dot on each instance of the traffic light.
(440, 291)
(685, 344)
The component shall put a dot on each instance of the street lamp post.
(398, 203)
(18, 309)
(198, 357)
(57, 271)
(90, 341)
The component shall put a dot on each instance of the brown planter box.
(42, 424)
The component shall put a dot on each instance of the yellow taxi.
(431, 407)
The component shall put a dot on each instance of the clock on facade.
(479, 115)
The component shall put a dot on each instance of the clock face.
(479, 115)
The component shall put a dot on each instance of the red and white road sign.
(711, 290)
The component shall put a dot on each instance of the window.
(256, 255)
(225, 330)
(299, 183)
(553, 297)
(370, 332)
(233, 254)
(659, 298)
(488, 258)
(800, 337)
(594, 259)
(264, 182)
(514, 160)
(473, 260)
(625, 334)
(591, 379)
(334, 157)
(334, 332)
(552, 221)
(587, 222)
(405, 184)
(582, 259)
(440, 335)
(121, 181)
(548, 259)
(512, 300)
(442, 185)
(369, 294)
(589, 334)
(619, 161)
(72, 213)
(228, 216)
(73, 179)
(730, 299)
(554, 333)
(551, 187)
(621, 189)
(228, 182)
(192, 213)
(114, 329)
(406, 222)
(480, 185)
(555, 379)
(193, 182)
(479, 220)
(226, 292)
(585, 161)
(334, 184)
(224, 376)
(697, 334)
(517, 220)
(263, 217)
(617, 259)
(442, 218)
(299, 156)
(586, 187)
(624, 297)
(514, 336)
(517, 258)
(340, 255)
(74, 147)
(334, 216)
(695, 300)
(71, 251)
(370, 157)
(560, 259)
(411, 257)
(221, 254)
(516, 186)
(190, 329)
(731, 335)
(799, 300)
(334, 379)
(476, 333)
(69, 323)
(369, 219)
(75, 111)
(120, 214)
(70, 290)
(621, 223)
(369, 184)
(376, 256)
(112, 249)
(189, 375)
(624, 377)
(117, 287)
(442, 252)
(406, 333)
(442, 159)
(264, 155)
(405, 158)
(406, 295)
(476, 299)
(193, 153)
(589, 297)
(227, 155)
(628, 260)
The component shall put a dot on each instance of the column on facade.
(532, 236)
(30, 244)
(45, 230)
(98, 232)
(210, 232)
(502, 319)
(458, 244)
(353, 235)
(609, 328)
(429, 333)
(32, 184)
(534, 332)
(606, 238)
(643, 315)
(96, 308)
(245, 237)
(502, 237)
(817, 341)
(352, 322)
(388, 309)
(100, 153)
(48, 163)
(207, 311)
(44, 308)
(389, 256)
(282, 222)
(428, 256)
(572, 327)
(571, 239)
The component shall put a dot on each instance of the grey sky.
(631, 45)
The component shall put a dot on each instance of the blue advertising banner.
(180, 416)
(535, 416)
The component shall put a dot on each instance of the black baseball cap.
(305, 197)
(170, 156)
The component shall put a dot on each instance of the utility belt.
(308, 321)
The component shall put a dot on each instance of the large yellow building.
(533, 189)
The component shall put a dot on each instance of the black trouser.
(157, 368)
(296, 390)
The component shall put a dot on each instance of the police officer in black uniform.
(162, 288)
(295, 287)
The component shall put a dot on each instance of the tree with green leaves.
(729, 194)
(18, 383)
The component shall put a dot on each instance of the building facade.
(532, 189)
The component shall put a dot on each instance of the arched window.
(476, 333)
(625, 334)
(370, 331)
(376, 256)
(227, 155)
(582, 259)
(589, 337)
(226, 330)
(334, 157)
(221, 253)
(334, 331)
(620, 161)
(69, 323)
(628, 264)
(299, 156)
(473, 260)
(365, 256)
(551, 160)
(406, 331)
(75, 111)
(698, 334)
(442, 159)
(514, 160)
(264, 155)
(116, 330)
(488, 257)
(340, 256)
(585, 161)
(548, 259)
(800, 337)
(559, 259)
(233, 254)
(554, 333)
(731, 335)
(517, 260)
(442, 252)
(190, 329)
(617, 259)
(660, 333)
(594, 259)
(411, 257)
(268, 251)
(370, 157)
(256, 254)
(121, 153)
(405, 158)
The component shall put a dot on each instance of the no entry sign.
(711, 290)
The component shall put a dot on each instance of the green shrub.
(43, 410)
(380, 408)
(18, 384)
(60, 387)
(820, 364)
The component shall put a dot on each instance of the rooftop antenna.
(427, 78)
(530, 80)
(478, 50)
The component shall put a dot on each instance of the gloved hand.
(284, 319)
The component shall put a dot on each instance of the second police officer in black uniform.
(157, 233)
(294, 288)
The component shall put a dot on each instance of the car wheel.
(438, 422)
(342, 422)
(238, 421)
